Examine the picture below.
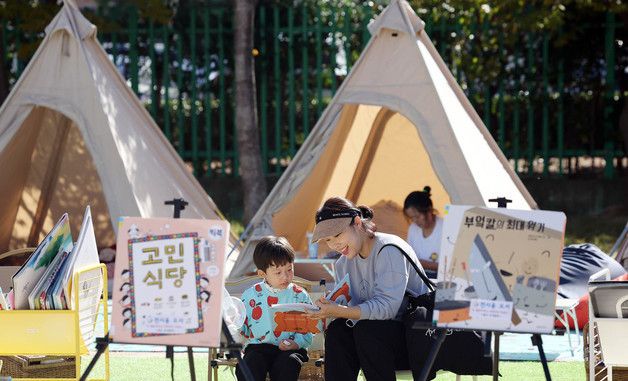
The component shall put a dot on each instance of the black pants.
(376, 346)
(265, 359)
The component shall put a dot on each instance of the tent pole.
(50, 179)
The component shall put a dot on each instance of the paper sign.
(490, 309)
(168, 281)
(165, 296)
(510, 258)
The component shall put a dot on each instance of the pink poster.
(168, 281)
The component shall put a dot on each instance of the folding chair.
(608, 324)
(309, 371)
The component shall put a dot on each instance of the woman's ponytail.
(366, 212)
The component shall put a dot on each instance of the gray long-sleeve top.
(378, 282)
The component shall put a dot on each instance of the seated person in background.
(279, 354)
(426, 229)
(107, 256)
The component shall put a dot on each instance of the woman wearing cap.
(368, 333)
(426, 229)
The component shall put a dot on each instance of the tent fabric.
(399, 121)
(72, 133)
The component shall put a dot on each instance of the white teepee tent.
(72, 133)
(398, 122)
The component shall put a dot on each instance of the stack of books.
(44, 282)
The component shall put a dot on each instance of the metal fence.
(548, 106)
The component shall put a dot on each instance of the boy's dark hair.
(272, 250)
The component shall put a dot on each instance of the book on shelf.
(45, 280)
(28, 276)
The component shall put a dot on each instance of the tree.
(493, 42)
(253, 181)
(28, 18)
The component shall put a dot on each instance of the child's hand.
(327, 309)
(288, 345)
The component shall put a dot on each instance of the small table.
(327, 264)
(566, 308)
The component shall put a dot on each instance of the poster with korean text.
(168, 281)
(499, 269)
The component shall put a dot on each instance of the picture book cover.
(499, 269)
(10, 300)
(4, 304)
(37, 297)
(168, 281)
(31, 272)
(84, 254)
(292, 317)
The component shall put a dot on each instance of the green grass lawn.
(142, 366)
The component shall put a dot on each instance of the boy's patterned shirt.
(257, 327)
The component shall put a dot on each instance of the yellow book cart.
(60, 332)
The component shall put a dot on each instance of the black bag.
(462, 352)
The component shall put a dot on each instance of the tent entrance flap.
(394, 162)
(60, 178)
(374, 157)
(16, 164)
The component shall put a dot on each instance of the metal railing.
(545, 112)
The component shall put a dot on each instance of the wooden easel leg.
(536, 340)
(496, 336)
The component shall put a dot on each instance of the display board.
(168, 281)
(499, 269)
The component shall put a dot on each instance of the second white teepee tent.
(398, 122)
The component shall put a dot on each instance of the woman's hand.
(327, 309)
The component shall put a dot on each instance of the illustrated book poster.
(168, 281)
(499, 269)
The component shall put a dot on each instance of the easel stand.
(536, 340)
(101, 345)
(179, 205)
(234, 348)
(440, 335)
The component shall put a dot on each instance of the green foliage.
(28, 18)
(306, 47)
(237, 228)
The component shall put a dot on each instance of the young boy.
(279, 354)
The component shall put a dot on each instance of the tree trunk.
(623, 84)
(253, 181)
(4, 72)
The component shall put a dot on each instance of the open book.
(52, 290)
(4, 304)
(291, 317)
(29, 275)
